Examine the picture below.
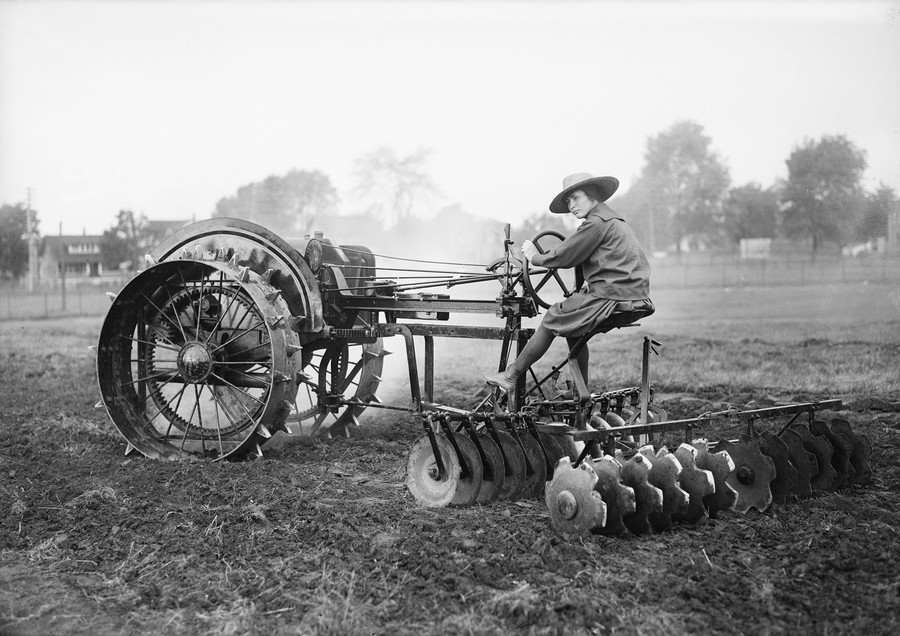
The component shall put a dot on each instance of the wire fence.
(711, 270)
(693, 271)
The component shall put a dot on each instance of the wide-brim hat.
(606, 185)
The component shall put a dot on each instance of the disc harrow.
(643, 490)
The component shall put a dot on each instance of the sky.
(166, 107)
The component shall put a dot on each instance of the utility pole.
(62, 266)
(31, 237)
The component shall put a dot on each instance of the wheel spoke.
(172, 304)
(152, 344)
(544, 280)
(224, 409)
(248, 350)
(164, 315)
(218, 421)
(315, 427)
(222, 310)
(559, 280)
(174, 411)
(172, 373)
(353, 373)
(189, 422)
(259, 323)
(241, 404)
(232, 386)
(245, 380)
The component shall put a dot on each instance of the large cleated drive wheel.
(196, 360)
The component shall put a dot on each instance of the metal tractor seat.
(626, 314)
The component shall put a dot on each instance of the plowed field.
(321, 536)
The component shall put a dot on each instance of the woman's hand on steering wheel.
(529, 250)
(548, 274)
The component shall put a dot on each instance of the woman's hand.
(529, 250)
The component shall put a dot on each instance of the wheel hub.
(195, 362)
(746, 475)
(567, 504)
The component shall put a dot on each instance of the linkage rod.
(412, 260)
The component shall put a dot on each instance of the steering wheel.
(551, 238)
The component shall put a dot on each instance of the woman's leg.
(583, 358)
(537, 346)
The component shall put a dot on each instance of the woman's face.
(580, 203)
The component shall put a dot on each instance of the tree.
(751, 212)
(642, 208)
(822, 196)
(877, 208)
(14, 239)
(124, 245)
(685, 183)
(283, 204)
(392, 184)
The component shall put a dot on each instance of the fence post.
(46, 306)
(802, 273)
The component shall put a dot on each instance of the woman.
(616, 273)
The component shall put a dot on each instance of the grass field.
(321, 537)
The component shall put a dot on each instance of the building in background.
(76, 258)
(893, 237)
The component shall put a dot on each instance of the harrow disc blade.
(752, 475)
(423, 480)
(490, 488)
(553, 451)
(720, 465)
(514, 479)
(859, 455)
(698, 483)
(573, 501)
(468, 487)
(664, 474)
(823, 450)
(618, 497)
(648, 499)
(559, 432)
(535, 480)
(845, 473)
(786, 474)
(801, 459)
